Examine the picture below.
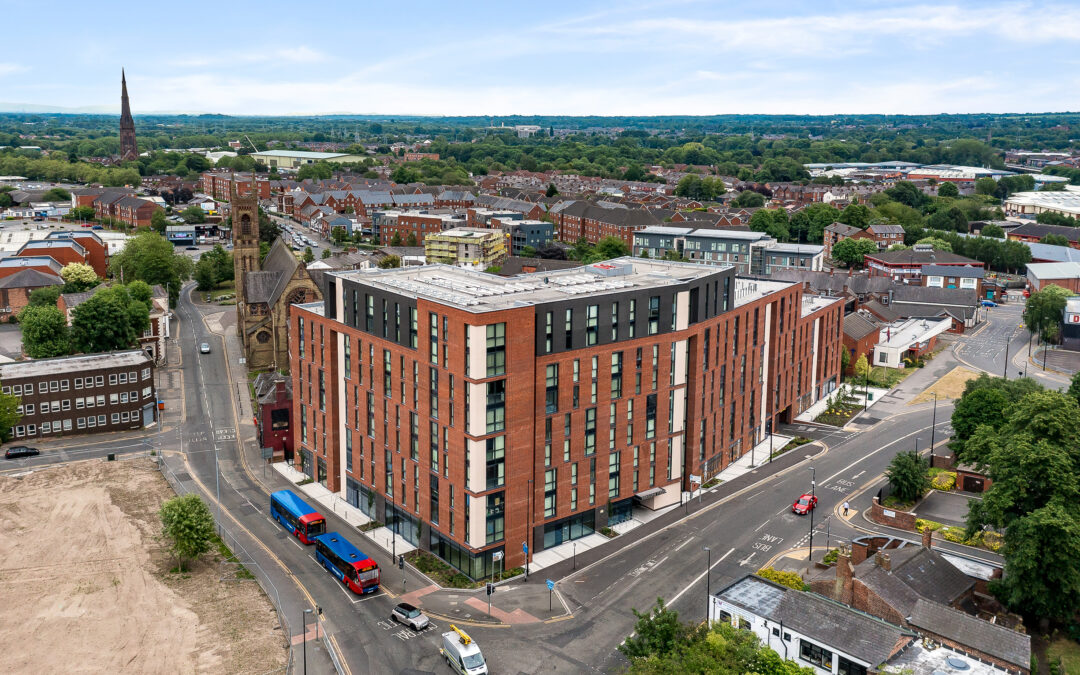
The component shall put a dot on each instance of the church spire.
(128, 149)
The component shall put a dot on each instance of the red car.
(803, 504)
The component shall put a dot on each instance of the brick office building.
(474, 413)
(81, 394)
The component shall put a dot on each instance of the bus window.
(316, 528)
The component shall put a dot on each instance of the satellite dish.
(958, 663)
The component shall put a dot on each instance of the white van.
(461, 653)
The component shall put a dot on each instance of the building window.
(433, 332)
(348, 357)
(496, 349)
(614, 321)
(496, 406)
(412, 328)
(552, 391)
(590, 431)
(654, 314)
(496, 467)
(592, 324)
(549, 492)
(815, 654)
(650, 416)
(433, 501)
(613, 475)
(847, 667)
(568, 327)
(616, 375)
(549, 327)
(496, 506)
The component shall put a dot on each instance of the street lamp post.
(933, 428)
(1008, 341)
(306, 612)
(708, 582)
(813, 495)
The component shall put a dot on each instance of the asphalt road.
(74, 450)
(744, 532)
(984, 348)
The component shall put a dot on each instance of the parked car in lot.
(410, 616)
(804, 504)
(18, 451)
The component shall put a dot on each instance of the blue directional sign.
(550, 585)
(524, 548)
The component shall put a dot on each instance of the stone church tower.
(264, 289)
(128, 150)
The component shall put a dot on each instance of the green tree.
(907, 193)
(326, 253)
(948, 190)
(220, 261)
(389, 262)
(158, 222)
(82, 213)
(978, 408)
(9, 415)
(985, 186)
(309, 257)
(1055, 240)
(773, 222)
(404, 174)
(809, 223)
(909, 474)
(56, 195)
(551, 190)
(992, 230)
(1042, 565)
(936, 243)
(856, 215)
(151, 258)
(78, 277)
(44, 331)
(45, 296)
(850, 252)
(657, 632)
(193, 215)
(188, 525)
(109, 320)
(748, 199)
(1044, 311)
(205, 275)
(411, 239)
(606, 249)
(1074, 385)
(862, 367)
(845, 360)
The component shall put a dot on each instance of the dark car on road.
(18, 451)
(803, 504)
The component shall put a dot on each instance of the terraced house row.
(474, 413)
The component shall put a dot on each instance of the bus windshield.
(316, 527)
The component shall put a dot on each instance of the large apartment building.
(473, 413)
(747, 251)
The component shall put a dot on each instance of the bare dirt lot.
(85, 583)
(949, 386)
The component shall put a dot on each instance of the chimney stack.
(882, 561)
(927, 536)
(845, 573)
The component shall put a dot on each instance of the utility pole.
(933, 428)
(708, 582)
(813, 494)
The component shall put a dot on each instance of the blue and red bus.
(296, 516)
(346, 562)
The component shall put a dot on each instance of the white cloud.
(301, 54)
(11, 68)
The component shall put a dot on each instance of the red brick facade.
(596, 443)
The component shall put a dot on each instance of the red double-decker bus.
(296, 516)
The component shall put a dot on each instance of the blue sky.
(638, 57)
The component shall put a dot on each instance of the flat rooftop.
(481, 292)
(135, 358)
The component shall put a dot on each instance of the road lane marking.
(699, 578)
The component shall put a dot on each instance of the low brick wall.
(891, 517)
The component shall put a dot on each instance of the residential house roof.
(885, 228)
(30, 278)
(865, 637)
(915, 572)
(858, 326)
(969, 631)
(513, 265)
(842, 229)
(967, 271)
(913, 257)
(1039, 230)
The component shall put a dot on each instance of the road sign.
(550, 585)
(524, 548)
(497, 555)
(695, 479)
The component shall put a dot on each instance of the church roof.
(259, 285)
(280, 260)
